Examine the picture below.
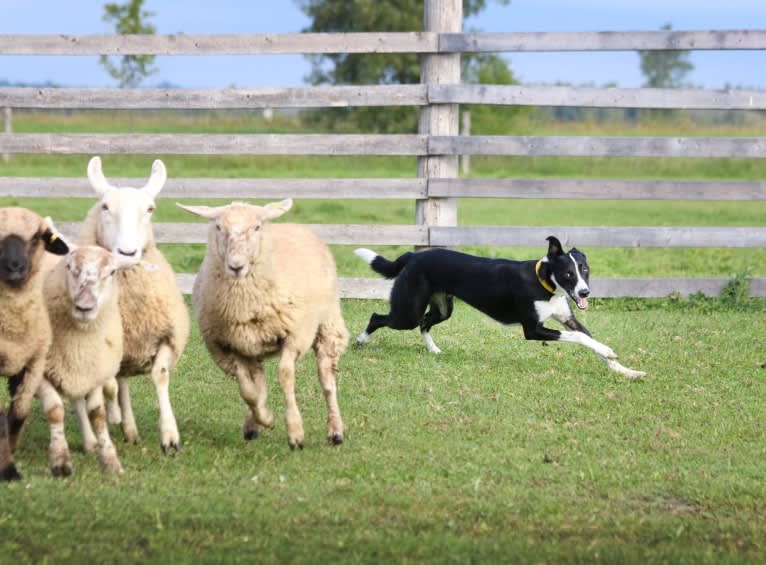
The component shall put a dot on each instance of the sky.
(746, 69)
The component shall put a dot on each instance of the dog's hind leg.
(440, 309)
(377, 321)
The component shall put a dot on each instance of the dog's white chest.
(557, 307)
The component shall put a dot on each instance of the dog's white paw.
(362, 338)
(429, 341)
(619, 368)
(605, 351)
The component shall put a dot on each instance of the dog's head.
(569, 272)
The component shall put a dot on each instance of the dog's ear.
(554, 247)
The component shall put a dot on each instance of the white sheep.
(82, 302)
(25, 333)
(269, 289)
(154, 317)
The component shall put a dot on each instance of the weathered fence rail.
(437, 144)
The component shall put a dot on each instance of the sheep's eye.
(150, 209)
(218, 227)
(257, 228)
(113, 272)
(105, 207)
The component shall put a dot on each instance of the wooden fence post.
(440, 16)
(7, 127)
(465, 129)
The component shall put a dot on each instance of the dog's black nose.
(584, 293)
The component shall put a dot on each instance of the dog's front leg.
(539, 332)
(575, 325)
(582, 336)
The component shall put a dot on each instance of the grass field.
(498, 450)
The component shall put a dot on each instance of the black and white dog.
(511, 292)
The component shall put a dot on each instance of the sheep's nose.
(584, 293)
(235, 270)
(128, 253)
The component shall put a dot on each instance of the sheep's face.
(89, 276)
(125, 214)
(24, 237)
(236, 232)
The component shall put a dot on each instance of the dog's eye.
(569, 275)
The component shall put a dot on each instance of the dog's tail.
(380, 264)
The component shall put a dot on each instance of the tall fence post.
(7, 127)
(465, 129)
(440, 16)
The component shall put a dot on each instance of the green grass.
(497, 450)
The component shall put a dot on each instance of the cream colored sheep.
(82, 301)
(154, 317)
(264, 290)
(25, 333)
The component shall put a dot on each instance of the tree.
(129, 18)
(667, 68)
(340, 16)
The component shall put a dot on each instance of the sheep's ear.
(276, 209)
(208, 212)
(96, 176)
(54, 242)
(157, 179)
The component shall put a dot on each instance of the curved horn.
(157, 179)
(96, 176)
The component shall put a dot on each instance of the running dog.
(511, 292)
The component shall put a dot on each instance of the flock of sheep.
(80, 318)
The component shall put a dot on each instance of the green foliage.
(129, 18)
(665, 69)
(328, 16)
(496, 450)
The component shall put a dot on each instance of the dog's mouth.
(581, 302)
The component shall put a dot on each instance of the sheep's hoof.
(294, 445)
(250, 435)
(63, 470)
(10, 473)
(165, 447)
(336, 438)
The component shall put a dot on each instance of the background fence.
(437, 143)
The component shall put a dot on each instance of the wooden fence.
(437, 143)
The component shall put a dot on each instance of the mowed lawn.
(498, 450)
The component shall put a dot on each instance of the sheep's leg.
(22, 388)
(8, 471)
(80, 409)
(113, 412)
(129, 428)
(253, 390)
(327, 368)
(107, 454)
(53, 406)
(161, 376)
(292, 414)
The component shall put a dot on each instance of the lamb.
(263, 290)
(25, 332)
(155, 319)
(82, 303)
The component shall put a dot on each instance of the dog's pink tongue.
(582, 303)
